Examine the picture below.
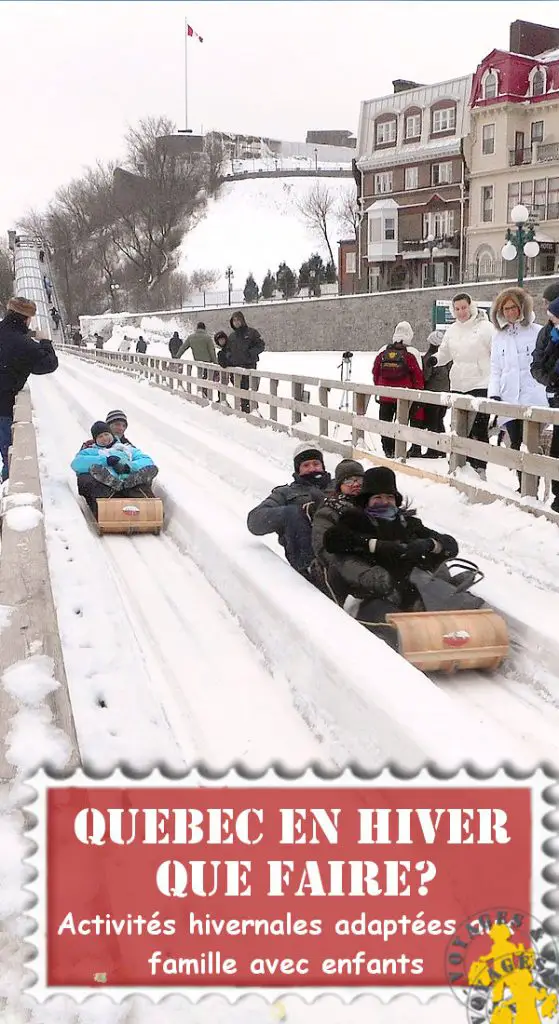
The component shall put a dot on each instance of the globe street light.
(431, 250)
(520, 242)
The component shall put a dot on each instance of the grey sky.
(78, 72)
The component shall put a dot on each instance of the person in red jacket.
(396, 367)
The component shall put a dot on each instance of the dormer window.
(538, 82)
(444, 120)
(385, 132)
(490, 86)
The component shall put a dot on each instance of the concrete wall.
(359, 322)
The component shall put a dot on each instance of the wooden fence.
(185, 377)
(25, 590)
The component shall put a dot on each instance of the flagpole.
(186, 74)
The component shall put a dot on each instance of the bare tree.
(348, 211)
(318, 210)
(6, 276)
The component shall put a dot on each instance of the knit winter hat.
(403, 332)
(553, 307)
(114, 415)
(99, 427)
(380, 480)
(25, 307)
(346, 469)
(552, 291)
(306, 451)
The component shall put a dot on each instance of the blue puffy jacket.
(97, 456)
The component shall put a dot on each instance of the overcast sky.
(74, 74)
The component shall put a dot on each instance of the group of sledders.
(109, 465)
(353, 535)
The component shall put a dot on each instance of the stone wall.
(358, 322)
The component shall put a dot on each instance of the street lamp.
(431, 250)
(520, 242)
(229, 275)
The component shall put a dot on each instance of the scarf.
(382, 511)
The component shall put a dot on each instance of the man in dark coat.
(20, 356)
(544, 361)
(377, 545)
(437, 378)
(174, 345)
(244, 345)
(141, 346)
(286, 510)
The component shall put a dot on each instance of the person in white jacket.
(467, 345)
(514, 340)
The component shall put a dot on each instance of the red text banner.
(267, 887)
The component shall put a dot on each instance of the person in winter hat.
(108, 467)
(288, 509)
(220, 341)
(174, 345)
(203, 351)
(396, 366)
(20, 356)
(376, 545)
(514, 341)
(437, 379)
(141, 346)
(467, 345)
(544, 369)
(118, 424)
(348, 478)
(243, 348)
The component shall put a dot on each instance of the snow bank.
(33, 738)
(22, 519)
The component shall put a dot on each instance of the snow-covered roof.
(411, 153)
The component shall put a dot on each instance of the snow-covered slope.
(254, 226)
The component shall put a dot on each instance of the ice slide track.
(530, 715)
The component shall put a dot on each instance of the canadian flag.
(190, 31)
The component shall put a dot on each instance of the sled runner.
(127, 515)
(454, 631)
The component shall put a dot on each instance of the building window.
(536, 132)
(538, 82)
(488, 139)
(441, 174)
(553, 199)
(490, 86)
(538, 207)
(390, 229)
(513, 197)
(444, 120)
(411, 178)
(386, 132)
(373, 279)
(413, 126)
(438, 224)
(383, 182)
(374, 230)
(487, 203)
(350, 262)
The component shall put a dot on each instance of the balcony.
(517, 157)
(548, 153)
(443, 243)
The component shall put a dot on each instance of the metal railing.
(310, 397)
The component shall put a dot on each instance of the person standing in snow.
(220, 341)
(243, 348)
(397, 367)
(203, 350)
(545, 369)
(125, 344)
(48, 287)
(467, 345)
(20, 356)
(437, 378)
(514, 341)
(286, 510)
(174, 345)
(141, 346)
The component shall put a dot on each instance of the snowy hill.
(255, 225)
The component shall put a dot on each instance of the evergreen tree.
(330, 274)
(304, 275)
(312, 274)
(251, 291)
(268, 286)
(286, 280)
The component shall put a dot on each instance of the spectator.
(55, 317)
(77, 339)
(203, 350)
(99, 342)
(396, 367)
(141, 346)
(243, 348)
(220, 341)
(48, 287)
(545, 369)
(19, 357)
(174, 345)
(514, 341)
(467, 345)
(437, 378)
(125, 344)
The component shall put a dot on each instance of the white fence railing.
(186, 376)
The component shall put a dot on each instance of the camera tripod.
(345, 377)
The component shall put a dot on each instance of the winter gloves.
(120, 467)
(341, 541)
